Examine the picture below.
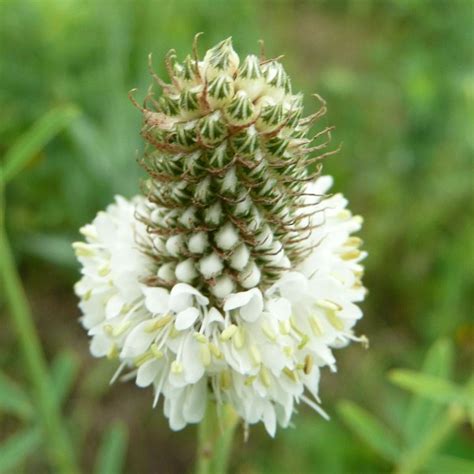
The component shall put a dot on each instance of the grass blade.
(13, 399)
(370, 430)
(422, 413)
(111, 456)
(32, 141)
(442, 463)
(434, 388)
(63, 373)
(18, 447)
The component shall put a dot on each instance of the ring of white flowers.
(262, 352)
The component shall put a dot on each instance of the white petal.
(322, 185)
(147, 372)
(195, 402)
(177, 422)
(138, 341)
(290, 285)
(156, 299)
(214, 316)
(269, 419)
(193, 366)
(181, 297)
(250, 303)
(100, 345)
(113, 307)
(186, 318)
(280, 308)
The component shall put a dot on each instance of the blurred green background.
(398, 78)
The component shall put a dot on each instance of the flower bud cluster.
(226, 158)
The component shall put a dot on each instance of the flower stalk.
(215, 436)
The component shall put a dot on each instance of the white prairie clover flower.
(236, 276)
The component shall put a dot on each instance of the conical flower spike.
(235, 276)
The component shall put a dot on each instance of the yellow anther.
(328, 304)
(174, 333)
(364, 341)
(238, 339)
(284, 327)
(155, 351)
(228, 332)
(265, 376)
(268, 331)
(255, 354)
(291, 374)
(113, 352)
(250, 380)
(88, 231)
(176, 367)
(315, 326)
(308, 364)
(88, 295)
(215, 350)
(158, 323)
(205, 354)
(303, 342)
(200, 338)
(336, 322)
(344, 214)
(141, 359)
(82, 249)
(104, 270)
(354, 242)
(121, 328)
(295, 326)
(288, 351)
(225, 380)
(350, 254)
(108, 329)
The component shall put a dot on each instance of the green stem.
(215, 435)
(57, 440)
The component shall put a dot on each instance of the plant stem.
(58, 442)
(215, 435)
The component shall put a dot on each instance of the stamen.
(228, 332)
(308, 364)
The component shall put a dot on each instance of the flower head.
(236, 276)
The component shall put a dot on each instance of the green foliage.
(34, 140)
(13, 400)
(397, 77)
(112, 450)
(17, 448)
(377, 436)
(424, 436)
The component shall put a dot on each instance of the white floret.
(250, 277)
(240, 257)
(198, 242)
(186, 271)
(224, 286)
(210, 265)
(227, 236)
